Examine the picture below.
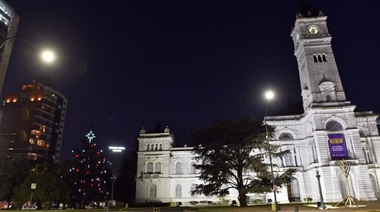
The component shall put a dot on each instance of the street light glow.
(269, 95)
(48, 56)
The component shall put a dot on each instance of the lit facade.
(328, 131)
(33, 121)
(9, 21)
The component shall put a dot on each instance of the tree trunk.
(242, 199)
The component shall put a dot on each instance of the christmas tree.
(89, 176)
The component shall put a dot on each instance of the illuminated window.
(31, 156)
(40, 143)
(32, 141)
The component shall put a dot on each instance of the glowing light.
(116, 148)
(269, 95)
(48, 56)
(90, 136)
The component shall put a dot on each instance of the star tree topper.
(90, 136)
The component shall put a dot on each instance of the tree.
(50, 188)
(125, 185)
(89, 176)
(13, 172)
(228, 151)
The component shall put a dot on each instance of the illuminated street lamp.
(269, 95)
(46, 55)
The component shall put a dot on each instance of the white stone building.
(329, 130)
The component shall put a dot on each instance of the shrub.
(193, 202)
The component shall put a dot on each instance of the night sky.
(124, 65)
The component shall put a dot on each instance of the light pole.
(323, 206)
(113, 179)
(269, 95)
(46, 55)
(33, 187)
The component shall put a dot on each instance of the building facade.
(33, 121)
(9, 21)
(329, 131)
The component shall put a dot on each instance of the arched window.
(153, 191)
(178, 168)
(361, 133)
(193, 188)
(333, 126)
(324, 58)
(315, 59)
(319, 58)
(149, 167)
(157, 168)
(178, 191)
(328, 98)
(193, 169)
(147, 147)
(286, 136)
(160, 146)
(151, 147)
(156, 147)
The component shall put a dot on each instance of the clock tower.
(319, 76)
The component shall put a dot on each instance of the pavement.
(372, 206)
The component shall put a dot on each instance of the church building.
(329, 137)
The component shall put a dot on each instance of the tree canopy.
(231, 155)
(50, 187)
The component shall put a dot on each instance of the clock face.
(313, 29)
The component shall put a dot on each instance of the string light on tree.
(90, 174)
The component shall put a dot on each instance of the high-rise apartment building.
(33, 121)
(8, 26)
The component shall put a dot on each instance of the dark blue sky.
(125, 64)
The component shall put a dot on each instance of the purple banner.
(337, 146)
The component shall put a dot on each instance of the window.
(328, 98)
(153, 191)
(157, 167)
(193, 188)
(193, 170)
(178, 191)
(289, 160)
(178, 168)
(149, 167)
(319, 58)
(333, 126)
(286, 136)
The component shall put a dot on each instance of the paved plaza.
(373, 206)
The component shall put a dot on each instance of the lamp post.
(323, 206)
(113, 179)
(46, 55)
(269, 95)
(33, 187)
